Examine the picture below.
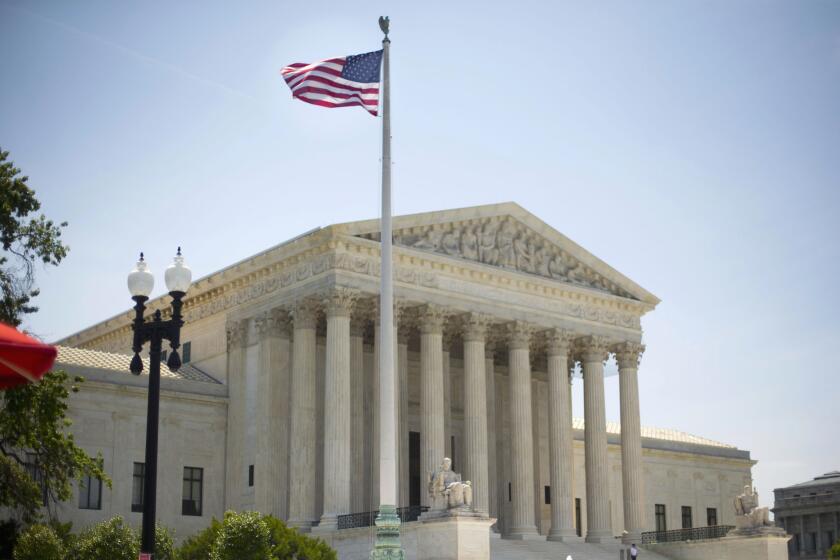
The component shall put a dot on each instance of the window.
(90, 493)
(510, 492)
(250, 475)
(812, 541)
(163, 355)
(577, 517)
(186, 352)
(452, 450)
(138, 482)
(661, 524)
(193, 482)
(34, 470)
(711, 517)
(548, 494)
(797, 545)
(686, 517)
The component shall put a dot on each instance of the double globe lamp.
(140, 284)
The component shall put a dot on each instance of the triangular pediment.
(509, 237)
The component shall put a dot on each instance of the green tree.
(25, 241)
(244, 536)
(834, 552)
(198, 546)
(39, 542)
(39, 459)
(111, 539)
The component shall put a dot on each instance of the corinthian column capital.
(474, 327)
(305, 314)
(273, 323)
(558, 342)
(628, 354)
(237, 333)
(593, 348)
(431, 319)
(519, 335)
(339, 301)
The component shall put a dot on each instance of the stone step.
(503, 549)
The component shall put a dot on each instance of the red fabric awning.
(22, 358)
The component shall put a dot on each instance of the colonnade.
(289, 336)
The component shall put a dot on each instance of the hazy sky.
(695, 147)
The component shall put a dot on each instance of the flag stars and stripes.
(337, 82)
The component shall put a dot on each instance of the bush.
(289, 543)
(198, 546)
(834, 552)
(39, 542)
(243, 536)
(109, 540)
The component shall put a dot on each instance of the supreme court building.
(495, 311)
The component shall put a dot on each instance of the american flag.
(337, 82)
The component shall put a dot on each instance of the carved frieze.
(505, 243)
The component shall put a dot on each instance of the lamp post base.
(387, 545)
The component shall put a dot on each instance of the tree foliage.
(25, 241)
(834, 552)
(34, 440)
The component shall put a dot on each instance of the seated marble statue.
(747, 513)
(446, 486)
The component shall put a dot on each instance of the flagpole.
(387, 522)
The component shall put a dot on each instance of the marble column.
(475, 411)
(447, 341)
(492, 468)
(432, 447)
(271, 467)
(593, 352)
(627, 355)
(358, 489)
(302, 505)
(337, 414)
(402, 438)
(237, 333)
(523, 522)
(560, 437)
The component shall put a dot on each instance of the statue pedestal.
(758, 545)
(454, 535)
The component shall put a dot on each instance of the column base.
(600, 537)
(454, 537)
(328, 523)
(564, 535)
(523, 534)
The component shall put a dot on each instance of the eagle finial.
(384, 23)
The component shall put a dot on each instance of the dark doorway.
(414, 468)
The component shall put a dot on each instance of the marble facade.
(494, 309)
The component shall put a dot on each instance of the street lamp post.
(140, 284)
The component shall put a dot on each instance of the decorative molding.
(506, 243)
(474, 326)
(431, 318)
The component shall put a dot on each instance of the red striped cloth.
(337, 82)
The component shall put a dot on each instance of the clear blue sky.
(692, 146)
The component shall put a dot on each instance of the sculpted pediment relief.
(506, 243)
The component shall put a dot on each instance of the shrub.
(834, 552)
(198, 546)
(287, 542)
(109, 540)
(164, 549)
(39, 542)
(243, 536)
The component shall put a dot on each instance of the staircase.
(502, 549)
